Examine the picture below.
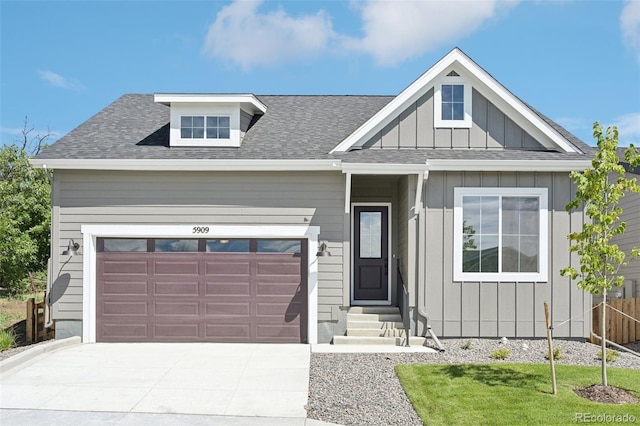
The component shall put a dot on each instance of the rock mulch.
(363, 389)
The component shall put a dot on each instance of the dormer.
(209, 120)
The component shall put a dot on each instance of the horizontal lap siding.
(491, 309)
(169, 198)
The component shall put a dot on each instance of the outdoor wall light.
(323, 250)
(72, 249)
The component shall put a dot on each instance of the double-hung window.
(204, 127)
(500, 234)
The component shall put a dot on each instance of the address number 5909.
(200, 230)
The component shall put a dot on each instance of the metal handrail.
(403, 305)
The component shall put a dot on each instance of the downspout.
(47, 291)
(422, 311)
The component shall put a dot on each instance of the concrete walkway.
(117, 382)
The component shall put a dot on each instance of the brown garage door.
(199, 290)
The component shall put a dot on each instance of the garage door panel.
(124, 332)
(172, 288)
(227, 288)
(180, 309)
(226, 309)
(228, 266)
(166, 267)
(175, 332)
(279, 268)
(233, 332)
(124, 266)
(125, 308)
(201, 296)
(286, 310)
(124, 287)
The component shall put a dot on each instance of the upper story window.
(500, 234)
(452, 97)
(204, 127)
(452, 101)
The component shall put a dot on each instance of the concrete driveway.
(254, 380)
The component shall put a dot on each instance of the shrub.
(611, 356)
(501, 353)
(466, 345)
(557, 354)
(7, 339)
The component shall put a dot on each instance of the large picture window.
(500, 234)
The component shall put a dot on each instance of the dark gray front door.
(371, 254)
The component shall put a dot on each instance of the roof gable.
(458, 62)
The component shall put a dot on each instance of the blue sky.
(63, 61)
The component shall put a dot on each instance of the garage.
(201, 290)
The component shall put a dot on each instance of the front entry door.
(371, 254)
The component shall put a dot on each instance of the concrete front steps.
(373, 325)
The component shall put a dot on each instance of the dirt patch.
(606, 394)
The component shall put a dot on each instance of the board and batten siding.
(414, 128)
(630, 205)
(513, 309)
(169, 198)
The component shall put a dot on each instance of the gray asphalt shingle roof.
(294, 127)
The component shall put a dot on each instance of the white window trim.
(437, 104)
(92, 232)
(540, 276)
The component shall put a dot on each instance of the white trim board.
(92, 232)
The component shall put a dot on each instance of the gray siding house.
(235, 218)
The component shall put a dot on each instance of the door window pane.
(370, 235)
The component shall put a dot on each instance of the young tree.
(25, 217)
(600, 189)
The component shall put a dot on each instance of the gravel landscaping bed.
(362, 389)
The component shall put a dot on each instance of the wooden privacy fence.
(35, 329)
(620, 329)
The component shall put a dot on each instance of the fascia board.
(243, 99)
(506, 98)
(383, 168)
(509, 165)
(189, 165)
(399, 102)
(495, 92)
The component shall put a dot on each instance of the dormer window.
(193, 127)
(452, 96)
(209, 120)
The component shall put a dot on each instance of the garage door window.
(124, 245)
(228, 246)
(279, 246)
(176, 246)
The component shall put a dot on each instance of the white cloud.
(247, 37)
(629, 128)
(393, 31)
(57, 80)
(396, 31)
(630, 25)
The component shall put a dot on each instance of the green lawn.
(509, 394)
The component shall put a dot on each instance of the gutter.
(188, 165)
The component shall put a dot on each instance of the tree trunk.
(603, 341)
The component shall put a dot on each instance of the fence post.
(30, 321)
